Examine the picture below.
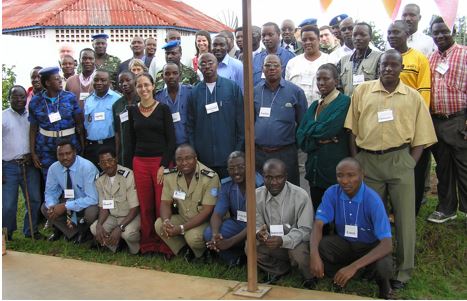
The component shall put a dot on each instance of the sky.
(298, 10)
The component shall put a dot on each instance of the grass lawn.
(440, 268)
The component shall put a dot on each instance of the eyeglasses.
(236, 168)
(106, 162)
(271, 65)
(206, 64)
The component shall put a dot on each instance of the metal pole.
(249, 146)
(28, 204)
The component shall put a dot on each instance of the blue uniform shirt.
(231, 198)
(365, 210)
(288, 105)
(284, 55)
(98, 116)
(40, 107)
(216, 135)
(82, 173)
(180, 105)
(232, 69)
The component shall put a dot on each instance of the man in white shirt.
(301, 70)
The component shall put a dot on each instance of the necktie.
(71, 216)
(69, 185)
(319, 108)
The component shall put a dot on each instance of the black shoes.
(81, 238)
(55, 236)
(271, 278)
(396, 284)
(36, 235)
(309, 284)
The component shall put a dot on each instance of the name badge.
(385, 115)
(54, 117)
(358, 79)
(108, 204)
(351, 231)
(241, 216)
(442, 68)
(99, 116)
(123, 116)
(265, 112)
(83, 95)
(180, 195)
(176, 117)
(277, 230)
(212, 107)
(69, 194)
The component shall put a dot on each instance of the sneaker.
(439, 217)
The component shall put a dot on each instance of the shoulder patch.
(208, 173)
(123, 172)
(214, 192)
(170, 170)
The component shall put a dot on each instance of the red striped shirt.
(449, 90)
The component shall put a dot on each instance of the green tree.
(377, 38)
(8, 80)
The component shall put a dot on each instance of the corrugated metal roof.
(59, 13)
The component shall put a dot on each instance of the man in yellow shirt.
(415, 74)
(391, 126)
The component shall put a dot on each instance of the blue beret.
(99, 36)
(337, 19)
(49, 71)
(310, 21)
(171, 44)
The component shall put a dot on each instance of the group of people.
(150, 154)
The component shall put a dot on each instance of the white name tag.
(241, 216)
(99, 116)
(54, 117)
(212, 107)
(265, 112)
(180, 195)
(83, 95)
(108, 204)
(385, 115)
(123, 116)
(358, 79)
(442, 68)
(69, 194)
(176, 117)
(351, 231)
(277, 230)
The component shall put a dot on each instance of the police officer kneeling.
(363, 237)
(118, 204)
(192, 189)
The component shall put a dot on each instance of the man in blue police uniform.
(17, 168)
(363, 239)
(70, 194)
(227, 66)
(227, 236)
(215, 117)
(270, 34)
(98, 116)
(53, 114)
(175, 95)
(279, 108)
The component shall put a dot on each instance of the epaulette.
(99, 175)
(208, 173)
(226, 180)
(123, 172)
(169, 170)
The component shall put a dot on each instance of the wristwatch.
(122, 227)
(182, 230)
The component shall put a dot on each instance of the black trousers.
(451, 164)
(288, 155)
(92, 149)
(420, 173)
(337, 253)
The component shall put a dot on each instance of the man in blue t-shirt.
(363, 237)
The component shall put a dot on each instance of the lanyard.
(282, 206)
(177, 99)
(215, 95)
(58, 103)
(273, 98)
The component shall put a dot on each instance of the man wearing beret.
(104, 60)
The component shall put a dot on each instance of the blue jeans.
(12, 180)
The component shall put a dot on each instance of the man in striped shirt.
(449, 110)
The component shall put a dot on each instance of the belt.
(21, 161)
(382, 152)
(273, 149)
(101, 141)
(448, 116)
(56, 134)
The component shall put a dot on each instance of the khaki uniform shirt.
(204, 189)
(411, 121)
(122, 191)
